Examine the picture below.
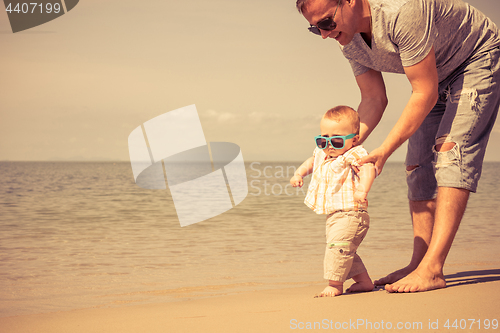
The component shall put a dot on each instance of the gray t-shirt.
(404, 32)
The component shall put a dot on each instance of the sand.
(470, 300)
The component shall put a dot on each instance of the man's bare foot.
(394, 276)
(330, 291)
(360, 287)
(418, 280)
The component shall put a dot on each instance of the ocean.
(83, 234)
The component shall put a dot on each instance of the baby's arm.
(303, 170)
(367, 174)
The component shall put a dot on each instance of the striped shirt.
(334, 181)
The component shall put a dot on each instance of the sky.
(74, 88)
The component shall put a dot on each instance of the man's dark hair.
(301, 3)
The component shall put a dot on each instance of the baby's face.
(331, 128)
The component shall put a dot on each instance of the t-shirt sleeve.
(415, 31)
(357, 68)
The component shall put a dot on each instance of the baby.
(338, 188)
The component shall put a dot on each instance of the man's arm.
(424, 81)
(373, 101)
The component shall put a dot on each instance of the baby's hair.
(344, 112)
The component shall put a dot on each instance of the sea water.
(78, 235)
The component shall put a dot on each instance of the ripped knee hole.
(411, 167)
(444, 143)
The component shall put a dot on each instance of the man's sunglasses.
(337, 142)
(327, 24)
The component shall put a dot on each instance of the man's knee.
(411, 167)
(443, 144)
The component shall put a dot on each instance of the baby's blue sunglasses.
(337, 141)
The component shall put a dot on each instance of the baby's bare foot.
(329, 291)
(360, 287)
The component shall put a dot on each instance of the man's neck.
(366, 25)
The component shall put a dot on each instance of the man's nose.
(325, 33)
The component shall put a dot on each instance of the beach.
(92, 92)
(83, 249)
(470, 303)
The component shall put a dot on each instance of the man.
(449, 52)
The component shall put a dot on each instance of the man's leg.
(472, 100)
(422, 189)
(471, 108)
(422, 215)
(450, 207)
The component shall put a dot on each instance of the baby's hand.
(296, 181)
(360, 196)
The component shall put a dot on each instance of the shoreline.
(471, 298)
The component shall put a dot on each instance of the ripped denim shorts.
(464, 115)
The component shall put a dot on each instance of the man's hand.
(378, 157)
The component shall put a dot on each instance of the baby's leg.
(334, 288)
(363, 283)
